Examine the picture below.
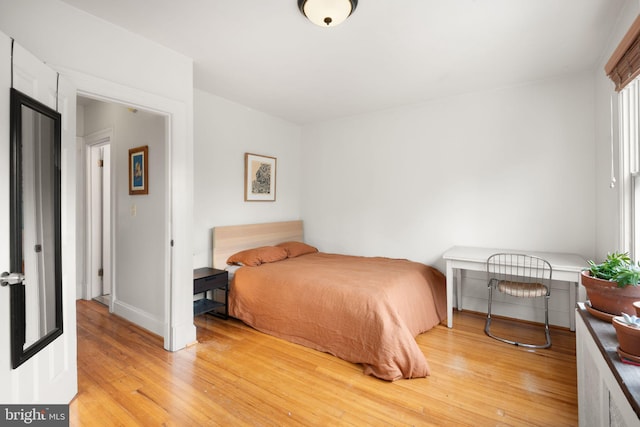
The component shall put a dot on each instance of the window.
(623, 68)
(628, 123)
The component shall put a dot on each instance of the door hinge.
(100, 163)
(100, 272)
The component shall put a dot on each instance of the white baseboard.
(139, 317)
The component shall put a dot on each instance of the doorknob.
(11, 279)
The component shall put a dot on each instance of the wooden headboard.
(234, 238)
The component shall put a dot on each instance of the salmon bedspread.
(361, 309)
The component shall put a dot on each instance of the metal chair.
(519, 275)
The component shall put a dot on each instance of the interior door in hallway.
(99, 199)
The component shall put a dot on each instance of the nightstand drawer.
(211, 282)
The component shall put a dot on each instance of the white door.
(95, 181)
(106, 221)
(98, 182)
(50, 376)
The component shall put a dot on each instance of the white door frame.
(179, 329)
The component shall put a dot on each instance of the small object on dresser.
(211, 279)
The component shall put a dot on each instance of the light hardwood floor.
(237, 376)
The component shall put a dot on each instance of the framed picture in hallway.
(259, 178)
(139, 170)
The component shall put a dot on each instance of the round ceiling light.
(327, 13)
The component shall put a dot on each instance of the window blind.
(624, 64)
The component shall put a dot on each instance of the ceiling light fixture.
(327, 13)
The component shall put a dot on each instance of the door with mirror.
(36, 270)
(38, 259)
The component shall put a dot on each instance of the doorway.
(166, 309)
(126, 235)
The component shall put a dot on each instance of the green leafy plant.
(618, 268)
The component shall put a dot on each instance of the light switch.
(134, 210)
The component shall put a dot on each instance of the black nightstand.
(210, 279)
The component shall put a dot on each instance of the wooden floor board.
(238, 376)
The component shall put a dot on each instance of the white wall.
(64, 36)
(224, 131)
(509, 168)
(140, 240)
(408, 182)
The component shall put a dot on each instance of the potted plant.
(612, 286)
(628, 332)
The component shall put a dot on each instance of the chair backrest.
(514, 267)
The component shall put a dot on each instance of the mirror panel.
(36, 304)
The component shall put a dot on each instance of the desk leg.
(449, 294)
(459, 289)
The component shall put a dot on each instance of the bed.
(365, 310)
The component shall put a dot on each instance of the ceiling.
(267, 56)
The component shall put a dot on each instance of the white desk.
(566, 267)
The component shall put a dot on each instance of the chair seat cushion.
(521, 289)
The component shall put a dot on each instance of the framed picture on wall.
(139, 170)
(259, 178)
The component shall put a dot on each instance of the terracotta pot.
(606, 296)
(628, 336)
